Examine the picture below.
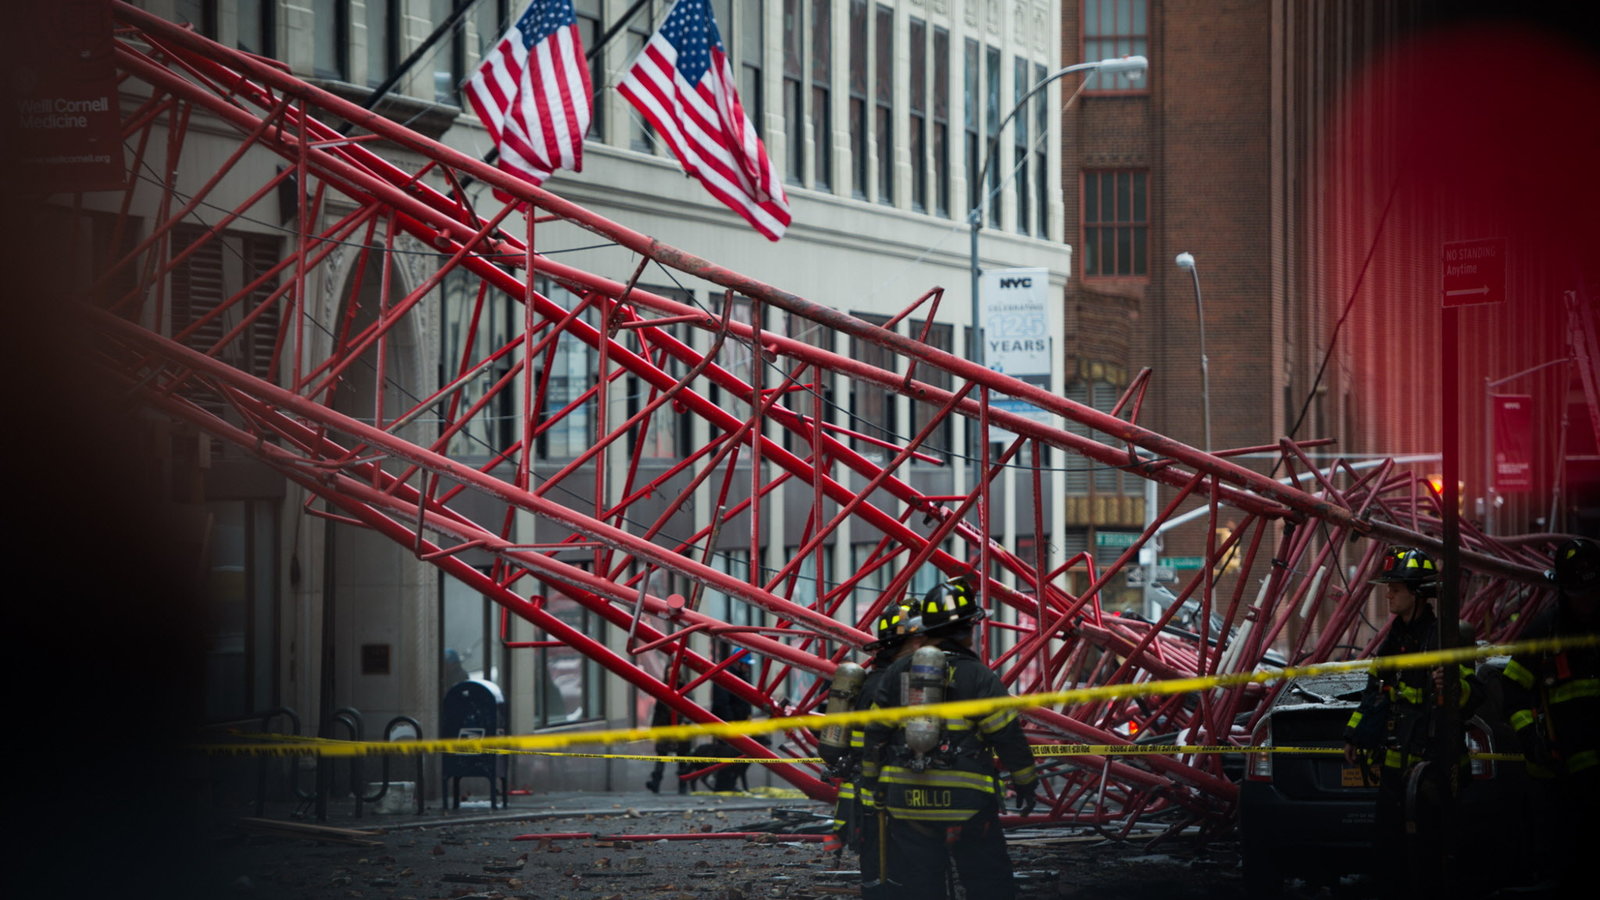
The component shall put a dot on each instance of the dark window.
(640, 135)
(258, 27)
(884, 83)
(330, 39)
(917, 136)
(971, 77)
(589, 30)
(1041, 153)
(939, 337)
(1115, 223)
(449, 56)
(383, 39)
(872, 406)
(859, 166)
(751, 15)
(202, 14)
(794, 51)
(1114, 28)
(941, 121)
(822, 93)
(1019, 144)
(991, 116)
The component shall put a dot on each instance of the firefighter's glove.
(1027, 799)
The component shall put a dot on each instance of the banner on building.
(1513, 443)
(62, 131)
(1014, 307)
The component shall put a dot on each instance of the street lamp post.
(1116, 65)
(1186, 261)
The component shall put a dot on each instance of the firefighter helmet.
(1410, 567)
(950, 606)
(896, 623)
(1577, 566)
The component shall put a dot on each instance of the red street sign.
(1474, 272)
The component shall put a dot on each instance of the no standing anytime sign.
(1474, 272)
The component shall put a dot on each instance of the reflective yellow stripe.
(1410, 694)
(1520, 674)
(932, 815)
(951, 778)
(1024, 776)
(847, 791)
(1577, 689)
(1355, 719)
(995, 721)
(1521, 719)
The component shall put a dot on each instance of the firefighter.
(1399, 726)
(856, 819)
(1554, 698)
(935, 778)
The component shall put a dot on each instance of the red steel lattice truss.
(1291, 544)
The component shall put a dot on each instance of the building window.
(794, 51)
(330, 37)
(588, 12)
(938, 442)
(202, 14)
(859, 166)
(1082, 472)
(884, 116)
(666, 434)
(257, 27)
(641, 136)
(383, 39)
(822, 94)
(941, 122)
(1114, 28)
(449, 56)
(565, 425)
(872, 407)
(207, 308)
(917, 136)
(482, 321)
(751, 92)
(991, 115)
(971, 78)
(1115, 223)
(1019, 144)
(574, 685)
(1041, 152)
(242, 623)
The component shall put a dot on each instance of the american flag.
(683, 83)
(532, 93)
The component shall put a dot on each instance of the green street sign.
(1116, 538)
(1184, 562)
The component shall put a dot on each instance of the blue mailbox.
(474, 709)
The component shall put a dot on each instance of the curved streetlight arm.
(975, 217)
(1114, 66)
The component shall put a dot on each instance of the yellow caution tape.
(957, 709)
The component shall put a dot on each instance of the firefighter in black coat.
(936, 778)
(1554, 699)
(1399, 728)
(856, 818)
